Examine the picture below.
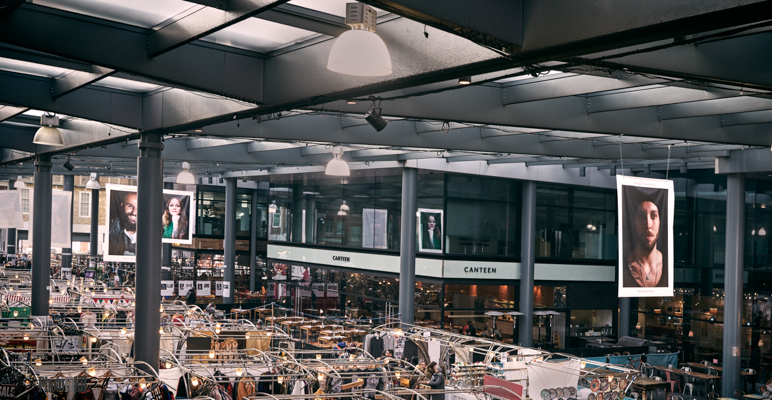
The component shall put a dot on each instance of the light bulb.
(168, 365)
(217, 330)
(15, 313)
(10, 289)
(194, 381)
(26, 336)
(80, 309)
(246, 336)
(161, 309)
(50, 301)
(217, 325)
(211, 354)
(38, 362)
(83, 360)
(320, 377)
(318, 356)
(107, 314)
(93, 339)
(92, 371)
(280, 379)
(161, 331)
(123, 331)
(239, 372)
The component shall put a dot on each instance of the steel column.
(527, 250)
(41, 238)
(253, 242)
(310, 218)
(94, 232)
(10, 245)
(229, 244)
(624, 317)
(68, 186)
(149, 237)
(407, 245)
(166, 252)
(733, 282)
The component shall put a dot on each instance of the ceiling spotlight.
(336, 166)
(272, 208)
(360, 52)
(351, 102)
(48, 134)
(93, 183)
(373, 117)
(185, 177)
(68, 165)
(19, 183)
(465, 80)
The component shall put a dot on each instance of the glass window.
(575, 223)
(211, 212)
(25, 201)
(84, 205)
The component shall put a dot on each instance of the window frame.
(80, 204)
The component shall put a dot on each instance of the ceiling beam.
(728, 105)
(303, 18)
(7, 112)
(203, 22)
(78, 79)
(124, 48)
(653, 97)
(571, 85)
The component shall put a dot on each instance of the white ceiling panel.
(143, 13)
(24, 67)
(259, 35)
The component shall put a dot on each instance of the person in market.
(437, 382)
(191, 299)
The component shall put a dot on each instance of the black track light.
(373, 117)
(68, 165)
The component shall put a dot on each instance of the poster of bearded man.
(645, 212)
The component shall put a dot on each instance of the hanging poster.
(218, 288)
(177, 220)
(167, 288)
(374, 228)
(646, 209)
(332, 290)
(61, 217)
(204, 288)
(429, 230)
(10, 210)
(184, 287)
(226, 289)
(178, 216)
(318, 289)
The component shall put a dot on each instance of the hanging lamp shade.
(93, 183)
(19, 184)
(48, 136)
(359, 52)
(272, 208)
(336, 166)
(185, 177)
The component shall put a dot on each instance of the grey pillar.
(527, 249)
(624, 316)
(297, 213)
(230, 238)
(407, 245)
(166, 252)
(310, 218)
(41, 237)
(10, 246)
(733, 282)
(253, 242)
(94, 234)
(69, 186)
(149, 236)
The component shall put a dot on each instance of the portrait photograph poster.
(645, 212)
(61, 215)
(177, 220)
(430, 240)
(10, 210)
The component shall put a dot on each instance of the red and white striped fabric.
(61, 298)
(17, 299)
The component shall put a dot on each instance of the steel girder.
(203, 22)
(78, 79)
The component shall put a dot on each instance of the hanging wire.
(667, 171)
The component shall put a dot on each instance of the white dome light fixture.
(336, 166)
(272, 208)
(185, 177)
(93, 183)
(360, 51)
(344, 209)
(19, 184)
(48, 134)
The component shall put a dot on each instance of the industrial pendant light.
(344, 209)
(336, 166)
(360, 51)
(93, 183)
(185, 177)
(272, 208)
(48, 134)
(19, 184)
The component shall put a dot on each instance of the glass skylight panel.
(143, 13)
(259, 35)
(24, 67)
(126, 84)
